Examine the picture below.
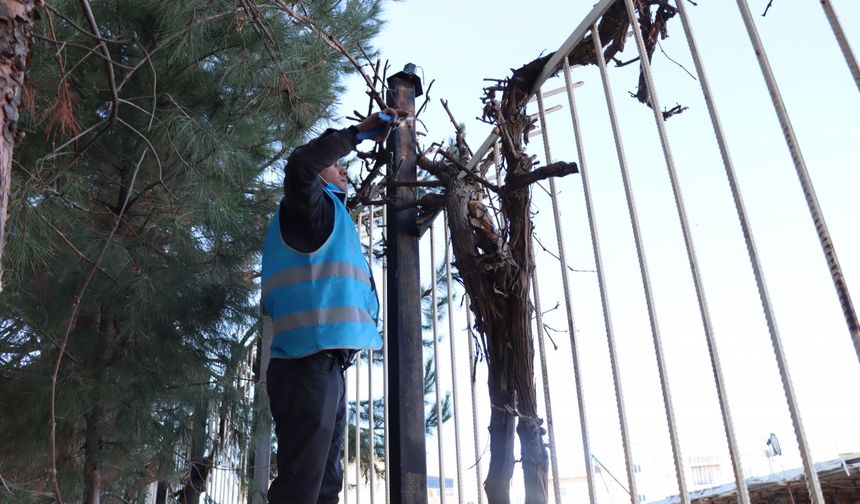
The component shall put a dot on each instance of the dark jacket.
(307, 215)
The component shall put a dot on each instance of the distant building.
(434, 490)
(572, 488)
(840, 482)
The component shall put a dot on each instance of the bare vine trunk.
(502, 425)
(16, 39)
(497, 276)
(529, 430)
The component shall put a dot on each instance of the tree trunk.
(16, 39)
(161, 493)
(92, 468)
(487, 268)
(95, 419)
(502, 421)
(534, 460)
(532, 451)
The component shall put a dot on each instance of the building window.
(705, 474)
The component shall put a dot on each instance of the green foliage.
(211, 97)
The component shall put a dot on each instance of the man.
(318, 289)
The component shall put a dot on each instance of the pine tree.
(140, 194)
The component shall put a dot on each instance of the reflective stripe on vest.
(320, 316)
(315, 272)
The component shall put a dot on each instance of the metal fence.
(665, 321)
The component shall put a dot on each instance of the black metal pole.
(407, 467)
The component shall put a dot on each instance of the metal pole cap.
(408, 74)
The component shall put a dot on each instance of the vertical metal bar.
(356, 369)
(826, 244)
(438, 389)
(497, 160)
(357, 410)
(473, 362)
(745, 227)
(408, 459)
(550, 424)
(571, 328)
(601, 283)
(385, 430)
(833, 19)
(643, 268)
(210, 488)
(370, 424)
(454, 369)
(223, 484)
(805, 182)
(694, 265)
(263, 429)
(346, 441)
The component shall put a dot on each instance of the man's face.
(336, 174)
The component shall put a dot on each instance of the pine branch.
(61, 43)
(165, 43)
(72, 245)
(332, 42)
(88, 12)
(58, 151)
(96, 36)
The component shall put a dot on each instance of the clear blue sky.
(460, 43)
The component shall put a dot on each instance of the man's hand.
(378, 125)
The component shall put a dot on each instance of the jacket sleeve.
(304, 198)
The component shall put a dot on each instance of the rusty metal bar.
(833, 19)
(812, 482)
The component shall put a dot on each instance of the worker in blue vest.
(318, 289)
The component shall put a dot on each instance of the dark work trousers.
(306, 397)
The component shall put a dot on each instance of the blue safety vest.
(323, 299)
